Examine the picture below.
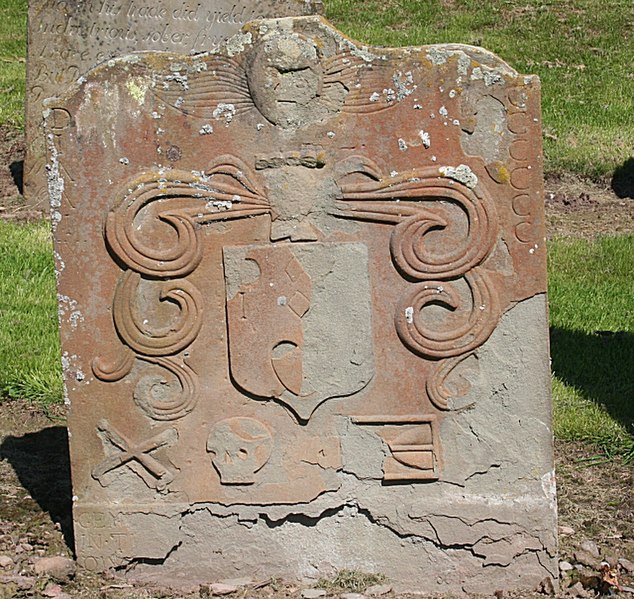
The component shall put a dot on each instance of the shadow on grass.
(17, 172)
(601, 365)
(42, 463)
(623, 180)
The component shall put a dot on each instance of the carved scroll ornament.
(447, 273)
(224, 191)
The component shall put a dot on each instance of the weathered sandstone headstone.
(302, 302)
(69, 37)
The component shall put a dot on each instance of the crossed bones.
(139, 453)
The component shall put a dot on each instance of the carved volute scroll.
(211, 192)
(416, 204)
(375, 200)
(164, 342)
(200, 197)
(481, 316)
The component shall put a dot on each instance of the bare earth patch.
(577, 207)
(11, 161)
(596, 498)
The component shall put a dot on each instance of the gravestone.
(69, 37)
(303, 314)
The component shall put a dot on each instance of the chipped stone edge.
(425, 532)
(54, 178)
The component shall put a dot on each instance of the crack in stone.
(472, 547)
(132, 563)
(299, 518)
(352, 509)
(482, 472)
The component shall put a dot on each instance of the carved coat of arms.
(298, 231)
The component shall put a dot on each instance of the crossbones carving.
(135, 455)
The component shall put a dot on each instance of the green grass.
(12, 61)
(29, 343)
(583, 50)
(350, 581)
(591, 289)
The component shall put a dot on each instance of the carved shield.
(299, 321)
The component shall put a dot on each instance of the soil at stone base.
(596, 504)
(596, 498)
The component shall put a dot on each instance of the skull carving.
(240, 447)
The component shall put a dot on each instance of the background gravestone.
(66, 38)
(303, 313)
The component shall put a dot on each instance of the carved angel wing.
(370, 86)
(212, 88)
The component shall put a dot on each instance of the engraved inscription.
(67, 39)
(100, 542)
(280, 306)
(163, 25)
